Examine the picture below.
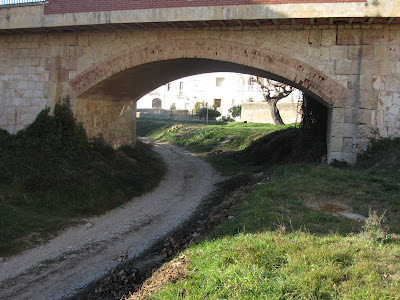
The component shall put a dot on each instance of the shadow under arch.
(133, 73)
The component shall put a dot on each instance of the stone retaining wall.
(259, 112)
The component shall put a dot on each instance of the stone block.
(339, 52)
(372, 37)
(350, 115)
(392, 84)
(370, 67)
(338, 115)
(385, 67)
(385, 101)
(369, 99)
(328, 37)
(349, 145)
(365, 116)
(380, 52)
(347, 67)
(314, 38)
(343, 129)
(378, 82)
(336, 144)
(365, 82)
(349, 37)
(367, 52)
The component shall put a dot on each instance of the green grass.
(51, 177)
(287, 240)
(209, 139)
(293, 192)
(277, 246)
(297, 265)
(202, 137)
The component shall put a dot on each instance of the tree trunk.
(276, 116)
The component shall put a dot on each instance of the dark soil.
(288, 145)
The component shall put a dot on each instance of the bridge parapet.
(143, 14)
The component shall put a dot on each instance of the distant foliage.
(236, 111)
(197, 106)
(213, 113)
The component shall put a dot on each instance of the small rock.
(88, 225)
(230, 217)
(1, 259)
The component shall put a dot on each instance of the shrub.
(235, 111)
(60, 131)
(213, 114)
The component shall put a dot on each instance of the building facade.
(222, 90)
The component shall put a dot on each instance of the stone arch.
(279, 67)
(253, 60)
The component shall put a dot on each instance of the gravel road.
(83, 254)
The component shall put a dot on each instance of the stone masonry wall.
(107, 118)
(259, 112)
(355, 69)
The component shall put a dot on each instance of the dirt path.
(85, 253)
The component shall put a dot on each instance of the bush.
(213, 114)
(60, 131)
(236, 111)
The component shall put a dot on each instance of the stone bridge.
(106, 54)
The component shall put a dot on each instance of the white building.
(223, 90)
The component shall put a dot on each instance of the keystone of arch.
(288, 69)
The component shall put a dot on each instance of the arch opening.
(132, 83)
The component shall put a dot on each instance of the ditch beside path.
(83, 254)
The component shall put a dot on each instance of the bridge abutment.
(114, 121)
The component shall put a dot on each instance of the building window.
(168, 86)
(251, 82)
(217, 102)
(180, 86)
(219, 81)
(156, 103)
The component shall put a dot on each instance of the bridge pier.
(114, 120)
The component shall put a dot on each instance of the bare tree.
(272, 93)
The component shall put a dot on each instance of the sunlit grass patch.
(298, 265)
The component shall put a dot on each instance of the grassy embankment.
(289, 238)
(52, 177)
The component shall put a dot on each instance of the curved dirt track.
(82, 254)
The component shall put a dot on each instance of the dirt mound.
(288, 145)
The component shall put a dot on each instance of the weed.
(376, 227)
